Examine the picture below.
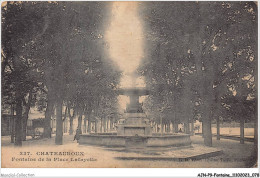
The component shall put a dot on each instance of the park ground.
(235, 155)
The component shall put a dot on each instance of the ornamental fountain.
(126, 41)
(134, 128)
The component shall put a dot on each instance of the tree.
(57, 50)
(199, 48)
(21, 26)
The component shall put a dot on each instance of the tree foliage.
(201, 54)
(56, 49)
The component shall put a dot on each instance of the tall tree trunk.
(96, 126)
(26, 114)
(111, 125)
(161, 126)
(175, 126)
(25, 119)
(63, 124)
(71, 120)
(18, 122)
(85, 125)
(89, 125)
(218, 129)
(203, 128)
(175, 123)
(107, 125)
(59, 123)
(64, 120)
(48, 114)
(101, 125)
(242, 133)
(164, 128)
(206, 124)
(104, 125)
(12, 123)
(187, 127)
(255, 153)
(192, 126)
(207, 131)
(80, 121)
(255, 129)
(66, 126)
(71, 126)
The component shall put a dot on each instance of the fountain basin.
(156, 140)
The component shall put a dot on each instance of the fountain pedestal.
(135, 122)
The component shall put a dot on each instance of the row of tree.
(201, 60)
(52, 58)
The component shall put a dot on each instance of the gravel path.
(234, 155)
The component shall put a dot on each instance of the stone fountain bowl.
(155, 140)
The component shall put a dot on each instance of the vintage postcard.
(129, 84)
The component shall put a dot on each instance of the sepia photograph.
(129, 84)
